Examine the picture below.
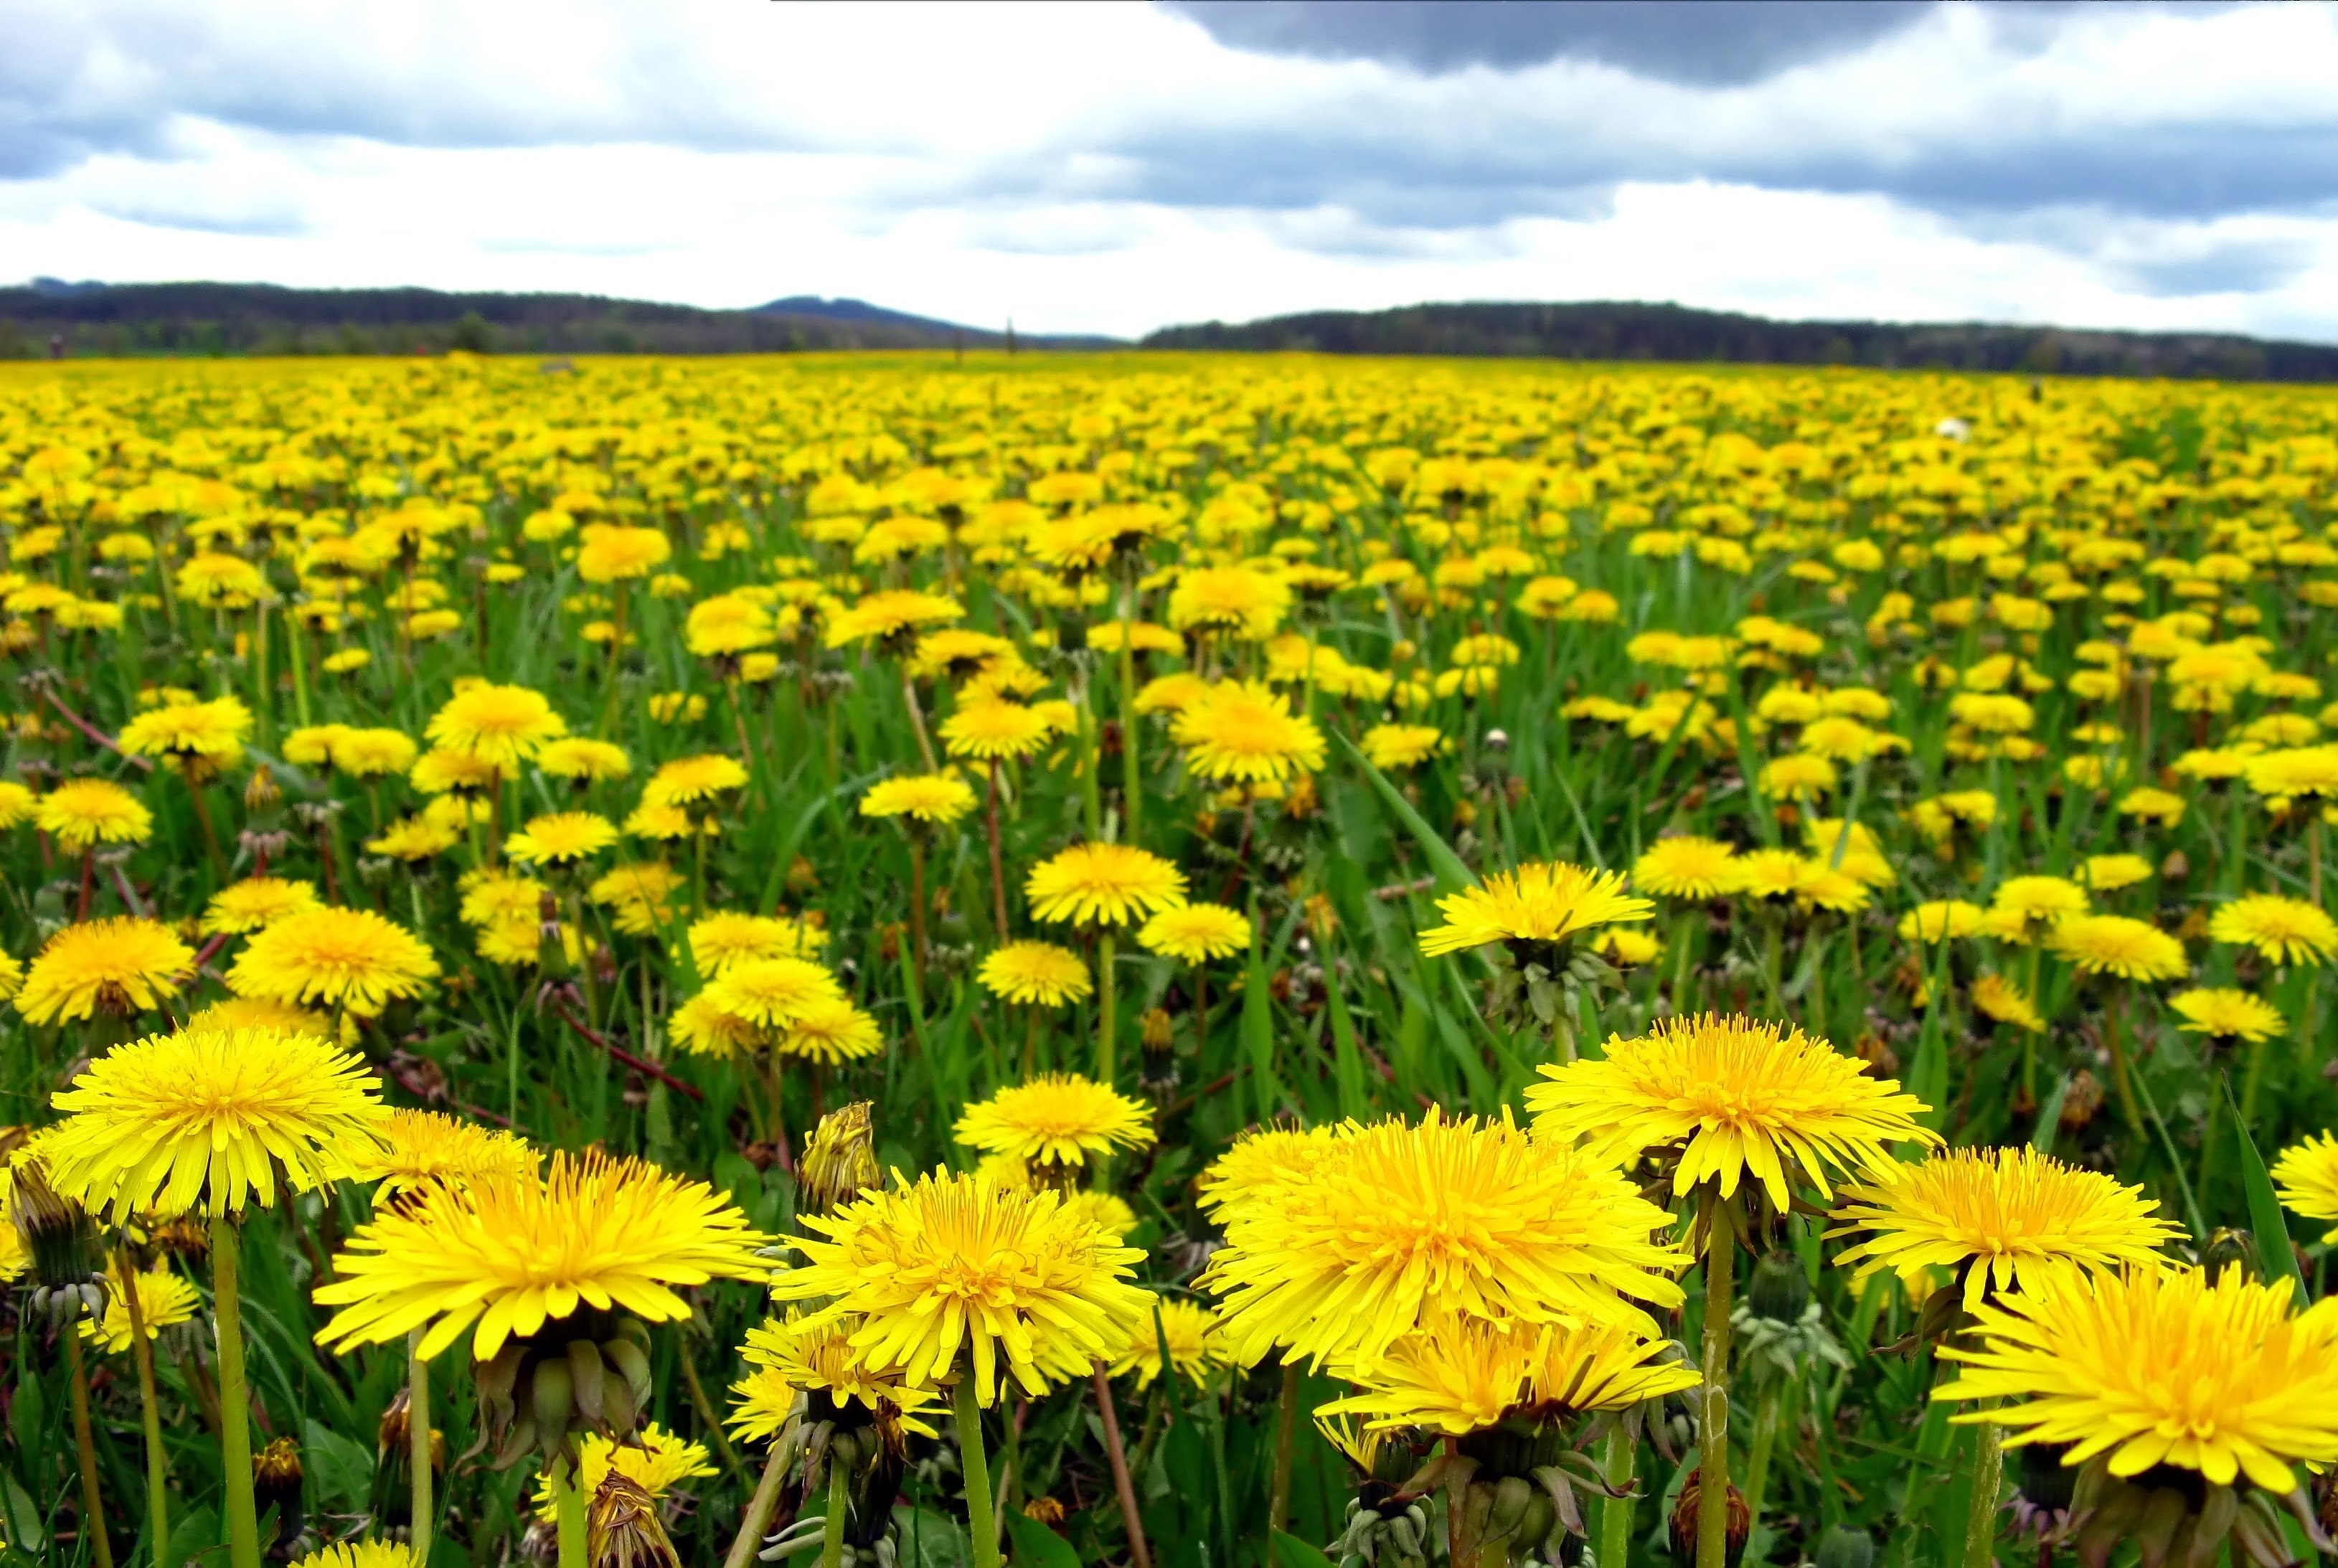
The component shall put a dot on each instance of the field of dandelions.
(1203, 962)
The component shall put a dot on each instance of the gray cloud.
(1705, 42)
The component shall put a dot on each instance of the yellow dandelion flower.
(953, 1269)
(994, 730)
(256, 902)
(1246, 732)
(2117, 945)
(2002, 1219)
(889, 616)
(724, 940)
(2039, 902)
(761, 1403)
(2224, 1014)
(333, 957)
(1540, 902)
(418, 1147)
(1376, 1229)
(2284, 930)
(2161, 1368)
(772, 993)
(653, 1459)
(1733, 1097)
(820, 1355)
(561, 838)
(82, 812)
(125, 964)
(208, 1120)
(500, 726)
(511, 1252)
(2109, 873)
(1102, 884)
(2306, 1176)
(1185, 1327)
(412, 838)
(1236, 599)
(164, 1301)
(831, 1030)
(583, 760)
(703, 1027)
(361, 1554)
(1196, 932)
(1686, 866)
(637, 895)
(1058, 1118)
(1388, 747)
(935, 797)
(373, 753)
(1036, 974)
(690, 779)
(1940, 920)
(2289, 772)
(1994, 997)
(1461, 1374)
(183, 731)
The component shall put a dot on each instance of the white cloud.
(1112, 168)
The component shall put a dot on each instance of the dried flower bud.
(621, 1528)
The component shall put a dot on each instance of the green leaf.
(2050, 1119)
(339, 1471)
(1036, 1546)
(1451, 874)
(2278, 1259)
(1290, 1551)
(1258, 1032)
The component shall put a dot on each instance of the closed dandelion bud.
(840, 1161)
(2046, 1483)
(259, 791)
(1045, 1510)
(1845, 1547)
(1781, 1290)
(2228, 1248)
(1683, 1524)
(276, 1486)
(63, 1241)
(1157, 1032)
(621, 1528)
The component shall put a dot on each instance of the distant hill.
(1605, 329)
(84, 319)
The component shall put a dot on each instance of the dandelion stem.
(235, 1402)
(840, 1498)
(1286, 1430)
(92, 1500)
(982, 1523)
(1105, 1007)
(158, 1459)
(1616, 1513)
(765, 1502)
(997, 861)
(1989, 1475)
(1140, 1551)
(424, 1515)
(1131, 772)
(1713, 1472)
(568, 1511)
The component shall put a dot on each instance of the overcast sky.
(1112, 168)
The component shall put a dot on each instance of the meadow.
(1219, 960)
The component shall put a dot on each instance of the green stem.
(297, 656)
(1616, 1513)
(1989, 1475)
(1713, 1472)
(1124, 1486)
(840, 1498)
(568, 1511)
(764, 1504)
(92, 1500)
(235, 1402)
(982, 1520)
(1757, 1462)
(263, 710)
(1105, 1007)
(424, 1515)
(1286, 1430)
(158, 1458)
(1132, 773)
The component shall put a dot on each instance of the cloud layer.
(1112, 168)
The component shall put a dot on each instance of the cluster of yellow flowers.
(509, 822)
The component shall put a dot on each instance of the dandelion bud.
(2229, 1248)
(63, 1241)
(1683, 1524)
(1156, 1031)
(259, 791)
(840, 1161)
(621, 1528)
(276, 1485)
